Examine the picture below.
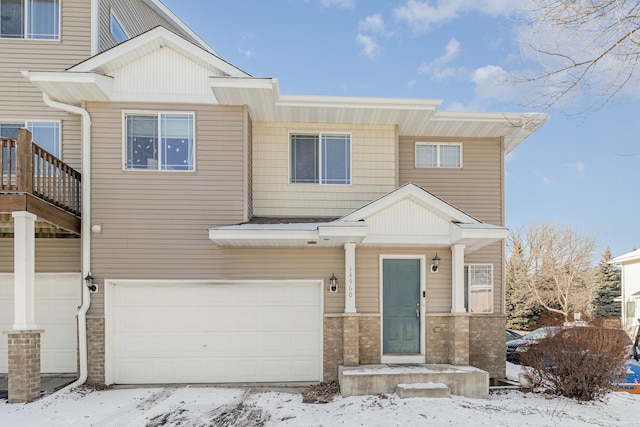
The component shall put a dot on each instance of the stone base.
(24, 365)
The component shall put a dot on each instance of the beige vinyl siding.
(52, 255)
(23, 101)
(249, 171)
(373, 171)
(476, 188)
(135, 16)
(155, 224)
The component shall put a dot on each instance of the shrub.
(580, 362)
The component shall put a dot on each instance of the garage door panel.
(217, 333)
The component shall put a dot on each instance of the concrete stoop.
(415, 378)
(422, 390)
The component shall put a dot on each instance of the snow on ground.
(205, 406)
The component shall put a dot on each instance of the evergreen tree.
(606, 287)
(522, 310)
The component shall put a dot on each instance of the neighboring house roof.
(630, 257)
(408, 216)
(414, 117)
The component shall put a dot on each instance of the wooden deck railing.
(28, 168)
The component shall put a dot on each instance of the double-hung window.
(159, 141)
(44, 134)
(320, 158)
(438, 155)
(30, 19)
(478, 283)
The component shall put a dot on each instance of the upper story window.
(478, 284)
(117, 30)
(320, 158)
(30, 19)
(45, 134)
(159, 141)
(438, 155)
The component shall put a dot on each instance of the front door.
(400, 306)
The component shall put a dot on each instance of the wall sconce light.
(333, 283)
(92, 286)
(436, 263)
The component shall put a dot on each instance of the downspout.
(85, 231)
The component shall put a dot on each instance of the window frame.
(27, 30)
(468, 287)
(158, 114)
(113, 17)
(438, 146)
(320, 168)
(26, 124)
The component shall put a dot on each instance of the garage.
(213, 332)
(57, 298)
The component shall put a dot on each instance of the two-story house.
(230, 233)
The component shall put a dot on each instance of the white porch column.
(24, 270)
(350, 278)
(457, 278)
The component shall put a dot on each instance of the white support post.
(457, 279)
(350, 278)
(24, 270)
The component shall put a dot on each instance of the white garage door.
(56, 305)
(213, 332)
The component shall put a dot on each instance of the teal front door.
(400, 306)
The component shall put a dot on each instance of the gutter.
(85, 231)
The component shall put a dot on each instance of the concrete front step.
(375, 379)
(422, 390)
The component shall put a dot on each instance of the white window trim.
(319, 134)
(491, 288)
(24, 124)
(25, 28)
(438, 145)
(157, 113)
(114, 16)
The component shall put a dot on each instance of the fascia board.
(358, 102)
(269, 234)
(626, 258)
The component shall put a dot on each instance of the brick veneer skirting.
(95, 349)
(24, 365)
(486, 344)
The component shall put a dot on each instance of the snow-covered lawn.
(206, 406)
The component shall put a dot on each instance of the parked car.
(516, 347)
(512, 335)
(519, 345)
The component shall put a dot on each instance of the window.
(117, 31)
(436, 155)
(631, 309)
(323, 158)
(163, 141)
(478, 284)
(30, 19)
(45, 134)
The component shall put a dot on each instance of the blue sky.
(574, 171)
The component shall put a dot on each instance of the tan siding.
(155, 224)
(52, 255)
(476, 188)
(373, 171)
(23, 101)
(248, 130)
(136, 18)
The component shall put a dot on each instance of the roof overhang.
(72, 87)
(414, 117)
(630, 257)
(290, 235)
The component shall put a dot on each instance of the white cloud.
(374, 24)
(411, 83)
(345, 4)
(547, 181)
(439, 68)
(577, 166)
(422, 15)
(247, 53)
(369, 46)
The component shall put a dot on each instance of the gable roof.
(407, 217)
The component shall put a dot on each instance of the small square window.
(438, 155)
(163, 141)
(323, 158)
